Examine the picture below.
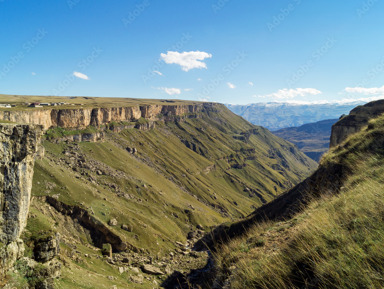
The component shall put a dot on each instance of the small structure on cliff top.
(35, 104)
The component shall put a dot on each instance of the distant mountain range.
(275, 116)
(311, 138)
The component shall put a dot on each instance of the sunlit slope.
(334, 241)
(159, 184)
(197, 171)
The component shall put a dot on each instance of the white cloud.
(170, 90)
(251, 83)
(323, 101)
(231, 85)
(199, 79)
(188, 89)
(80, 75)
(362, 99)
(286, 93)
(33, 73)
(187, 60)
(158, 72)
(365, 91)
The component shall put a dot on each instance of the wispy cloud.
(187, 60)
(365, 90)
(158, 72)
(231, 85)
(80, 75)
(170, 90)
(361, 99)
(339, 101)
(207, 98)
(199, 79)
(251, 83)
(33, 73)
(188, 89)
(286, 93)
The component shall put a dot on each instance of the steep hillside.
(275, 116)
(311, 138)
(327, 232)
(138, 184)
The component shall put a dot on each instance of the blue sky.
(230, 51)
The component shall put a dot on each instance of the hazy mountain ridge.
(312, 138)
(275, 116)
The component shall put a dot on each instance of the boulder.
(112, 222)
(126, 228)
(137, 279)
(150, 269)
(107, 250)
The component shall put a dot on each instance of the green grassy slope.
(335, 241)
(200, 171)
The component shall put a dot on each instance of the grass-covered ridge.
(334, 242)
(83, 101)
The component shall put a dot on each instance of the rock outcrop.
(100, 233)
(19, 145)
(47, 248)
(80, 118)
(355, 121)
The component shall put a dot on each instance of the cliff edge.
(355, 121)
(19, 144)
(82, 117)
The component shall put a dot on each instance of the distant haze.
(274, 116)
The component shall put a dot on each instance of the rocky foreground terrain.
(122, 192)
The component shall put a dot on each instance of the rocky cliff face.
(355, 121)
(18, 146)
(83, 117)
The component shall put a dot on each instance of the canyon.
(135, 190)
(143, 182)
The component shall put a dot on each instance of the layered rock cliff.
(19, 144)
(355, 121)
(81, 118)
